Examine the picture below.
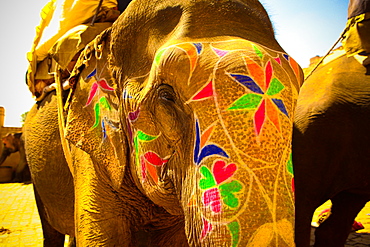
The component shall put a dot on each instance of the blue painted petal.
(199, 47)
(211, 150)
(126, 95)
(197, 142)
(103, 128)
(91, 74)
(280, 104)
(286, 56)
(247, 82)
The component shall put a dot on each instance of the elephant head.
(195, 99)
(11, 144)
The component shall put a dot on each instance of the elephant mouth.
(10, 149)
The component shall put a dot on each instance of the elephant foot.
(334, 231)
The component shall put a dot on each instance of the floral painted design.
(203, 151)
(192, 50)
(100, 83)
(150, 159)
(217, 191)
(206, 92)
(262, 94)
(289, 167)
(234, 228)
(295, 67)
(102, 102)
(219, 188)
(220, 193)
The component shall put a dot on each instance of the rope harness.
(350, 23)
(331, 49)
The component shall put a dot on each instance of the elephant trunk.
(4, 154)
(239, 184)
(235, 198)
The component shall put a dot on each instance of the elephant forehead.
(185, 66)
(255, 104)
(191, 66)
(248, 88)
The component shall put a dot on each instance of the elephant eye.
(166, 92)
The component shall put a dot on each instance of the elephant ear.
(93, 123)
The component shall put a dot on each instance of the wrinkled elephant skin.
(330, 149)
(13, 142)
(52, 180)
(194, 117)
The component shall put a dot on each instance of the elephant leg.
(52, 238)
(26, 174)
(308, 195)
(303, 217)
(4, 154)
(335, 230)
(19, 172)
(310, 151)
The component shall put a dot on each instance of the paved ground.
(19, 220)
(20, 224)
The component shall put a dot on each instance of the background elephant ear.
(93, 118)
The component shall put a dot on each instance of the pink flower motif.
(207, 228)
(94, 89)
(212, 198)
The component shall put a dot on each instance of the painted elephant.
(178, 128)
(13, 143)
(330, 146)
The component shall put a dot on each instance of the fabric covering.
(357, 37)
(57, 17)
(75, 40)
(61, 34)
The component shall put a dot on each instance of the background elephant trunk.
(4, 154)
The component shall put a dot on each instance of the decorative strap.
(61, 119)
